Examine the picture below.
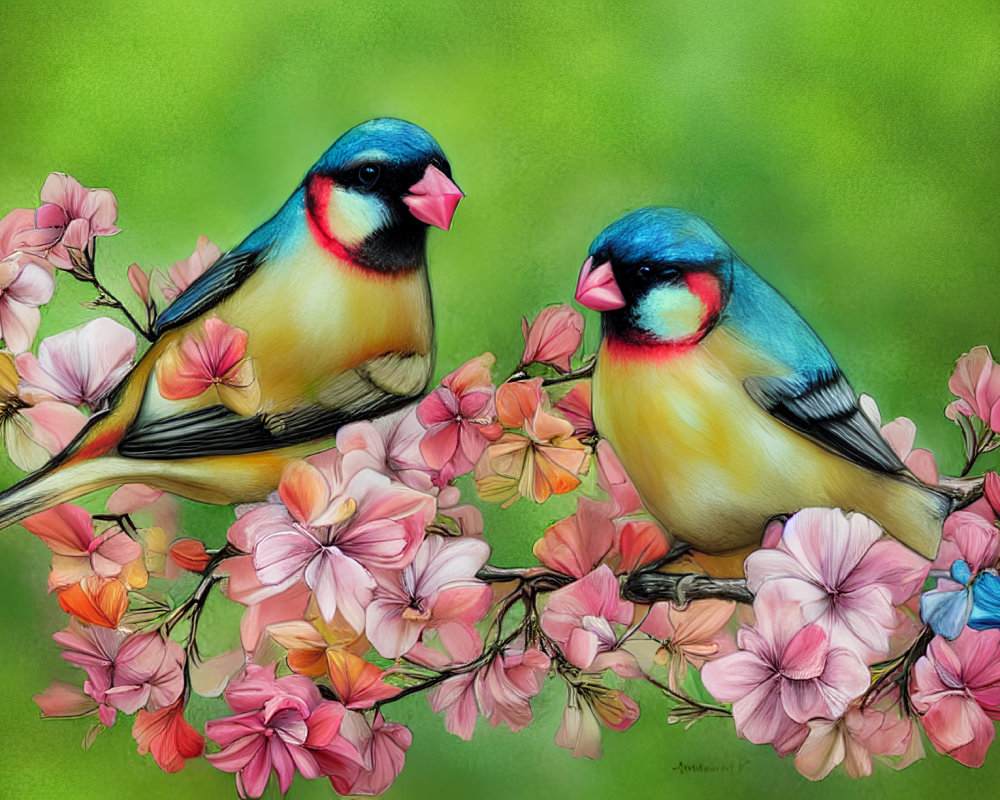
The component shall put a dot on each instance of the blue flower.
(947, 612)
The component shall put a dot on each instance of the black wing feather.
(217, 431)
(826, 410)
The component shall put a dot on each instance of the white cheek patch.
(670, 312)
(353, 216)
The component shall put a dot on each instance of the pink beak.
(433, 198)
(597, 288)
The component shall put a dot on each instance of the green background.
(848, 151)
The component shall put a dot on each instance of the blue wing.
(813, 397)
(209, 289)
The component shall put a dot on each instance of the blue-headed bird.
(722, 403)
(333, 296)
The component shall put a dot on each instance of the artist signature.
(699, 768)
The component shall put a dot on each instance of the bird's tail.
(47, 488)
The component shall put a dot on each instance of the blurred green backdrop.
(849, 152)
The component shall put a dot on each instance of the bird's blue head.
(659, 276)
(371, 196)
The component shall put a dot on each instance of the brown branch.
(680, 589)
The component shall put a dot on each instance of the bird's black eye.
(644, 273)
(368, 174)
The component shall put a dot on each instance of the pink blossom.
(384, 753)
(24, 286)
(843, 577)
(125, 672)
(692, 635)
(31, 434)
(183, 273)
(991, 490)
(854, 739)
(577, 544)
(74, 215)
(216, 360)
(575, 406)
(955, 687)
(460, 418)
(438, 589)
(976, 382)
(580, 618)
(168, 736)
(280, 723)
(77, 551)
(901, 434)
(589, 707)
(553, 337)
(784, 674)
(64, 700)
(971, 538)
(79, 366)
(333, 526)
(19, 234)
(457, 698)
(507, 683)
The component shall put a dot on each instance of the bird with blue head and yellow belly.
(722, 403)
(332, 297)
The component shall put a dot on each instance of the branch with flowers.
(366, 579)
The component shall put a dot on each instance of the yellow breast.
(709, 463)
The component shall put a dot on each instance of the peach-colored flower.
(78, 552)
(553, 337)
(24, 286)
(96, 600)
(547, 459)
(589, 707)
(214, 360)
(357, 682)
(692, 635)
(168, 736)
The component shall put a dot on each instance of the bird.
(333, 299)
(723, 405)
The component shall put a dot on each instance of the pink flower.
(125, 672)
(214, 360)
(77, 552)
(75, 215)
(575, 406)
(546, 460)
(24, 286)
(460, 418)
(992, 491)
(438, 589)
(31, 434)
(577, 544)
(184, 272)
(280, 723)
(64, 700)
(692, 635)
(901, 434)
(19, 234)
(168, 736)
(79, 366)
(384, 753)
(589, 707)
(580, 618)
(844, 578)
(855, 738)
(955, 687)
(333, 527)
(784, 674)
(976, 381)
(971, 538)
(553, 337)
(507, 683)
